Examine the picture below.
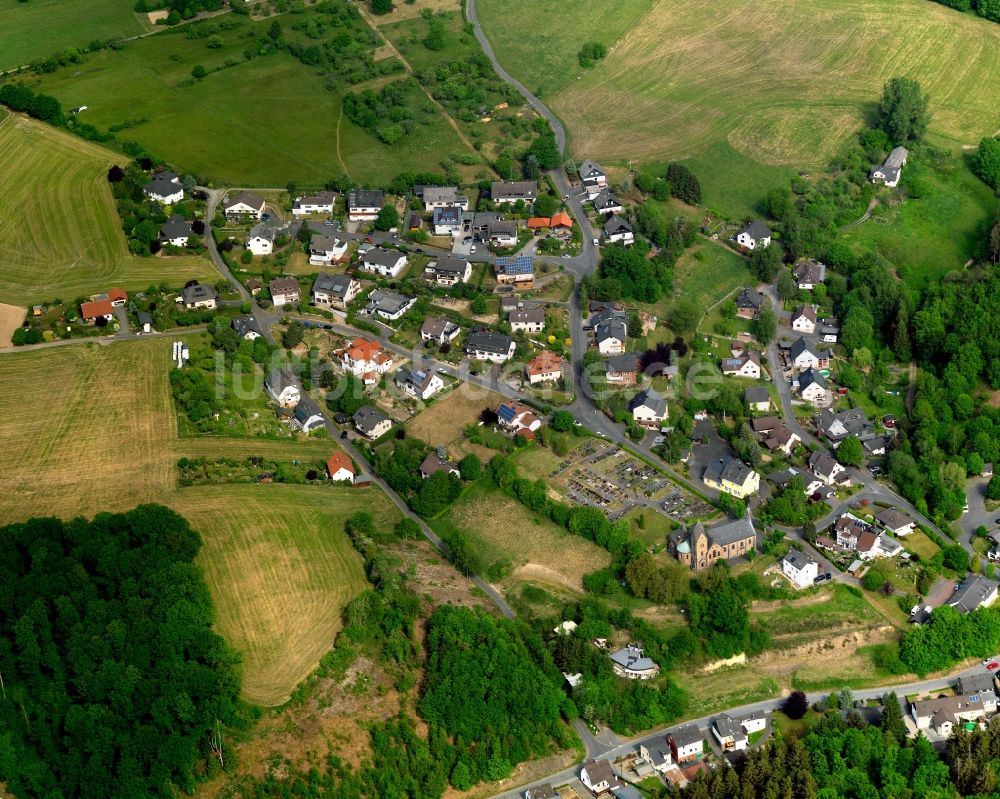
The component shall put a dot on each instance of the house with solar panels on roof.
(517, 271)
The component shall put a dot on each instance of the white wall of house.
(258, 245)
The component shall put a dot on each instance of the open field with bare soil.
(11, 317)
(445, 420)
(61, 234)
(783, 83)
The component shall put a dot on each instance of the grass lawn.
(799, 728)
(501, 528)
(44, 27)
(785, 84)
(278, 564)
(281, 569)
(727, 687)
(292, 131)
(62, 235)
(544, 55)
(918, 542)
(929, 237)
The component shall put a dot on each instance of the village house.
(437, 461)
(983, 684)
(729, 733)
(899, 524)
(631, 662)
(326, 250)
(254, 286)
(246, 327)
(371, 422)
(748, 303)
(502, 233)
(260, 240)
(388, 304)
(765, 425)
(972, 593)
(518, 419)
(732, 476)
(414, 222)
(165, 187)
(648, 408)
(546, 367)
(281, 386)
(757, 398)
(781, 439)
(610, 335)
(447, 270)
(593, 177)
(804, 319)
(145, 322)
(607, 203)
(307, 416)
(363, 205)
(812, 387)
(747, 365)
(284, 291)
(509, 192)
(848, 528)
(387, 263)
(364, 356)
(622, 369)
(530, 320)
(799, 568)
(543, 791)
(876, 445)
(244, 205)
(444, 197)
(421, 384)
(617, 230)
(888, 173)
(518, 271)
(447, 221)
(837, 426)
(485, 345)
(537, 224)
(808, 274)
(659, 757)
(335, 290)
(700, 547)
(319, 203)
(943, 713)
(561, 224)
(438, 330)
(753, 235)
(598, 776)
(686, 743)
(826, 468)
(176, 231)
(479, 223)
(102, 306)
(339, 468)
(802, 355)
(199, 295)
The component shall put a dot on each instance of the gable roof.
(489, 341)
(606, 199)
(449, 215)
(756, 230)
(561, 219)
(649, 398)
(804, 310)
(801, 346)
(749, 298)
(514, 189)
(527, 316)
(811, 271)
(283, 285)
(246, 198)
(686, 735)
(338, 461)
(756, 394)
(319, 198)
(442, 194)
(367, 418)
(727, 726)
(332, 284)
(197, 293)
(449, 264)
(610, 329)
(728, 532)
(730, 469)
(175, 227)
(244, 325)
(797, 560)
(261, 231)
(588, 169)
(306, 410)
(616, 223)
(365, 198)
(893, 519)
(280, 379)
(626, 362)
(971, 593)
(382, 257)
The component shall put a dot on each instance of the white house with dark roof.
(387, 263)
(448, 221)
(165, 187)
(338, 290)
(631, 662)
(319, 203)
(281, 386)
(371, 422)
(809, 274)
(610, 335)
(529, 320)
(363, 205)
(176, 231)
(618, 231)
(444, 197)
(244, 205)
(326, 250)
(486, 345)
(598, 776)
(799, 568)
(447, 270)
(199, 296)
(757, 398)
(802, 355)
(502, 233)
(543, 791)
(388, 304)
(804, 319)
(439, 330)
(260, 239)
(813, 388)
(943, 714)
(648, 408)
(593, 177)
(973, 592)
(606, 203)
(747, 365)
(895, 522)
(729, 733)
(307, 416)
(753, 235)
(420, 384)
(825, 467)
(504, 192)
(246, 327)
(889, 172)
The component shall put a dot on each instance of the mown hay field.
(60, 235)
(783, 83)
(89, 428)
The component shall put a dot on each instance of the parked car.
(343, 436)
(659, 440)
(822, 578)
(993, 666)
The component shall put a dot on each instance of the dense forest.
(114, 683)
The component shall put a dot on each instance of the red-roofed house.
(561, 224)
(339, 467)
(546, 366)
(364, 356)
(538, 223)
(103, 305)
